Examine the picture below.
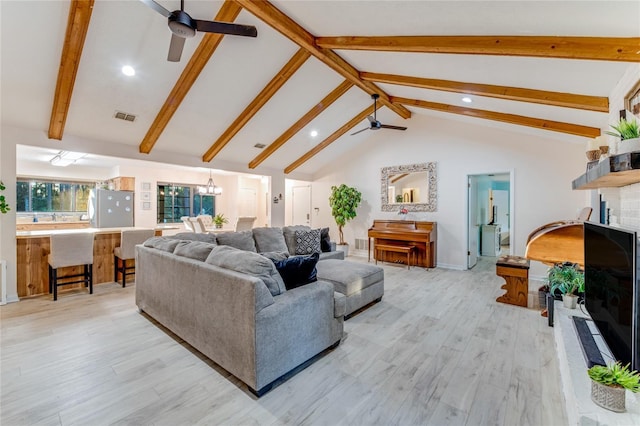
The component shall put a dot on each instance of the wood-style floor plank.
(438, 350)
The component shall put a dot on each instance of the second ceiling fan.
(374, 124)
(183, 27)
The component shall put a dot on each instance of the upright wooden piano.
(422, 235)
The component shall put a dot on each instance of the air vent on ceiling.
(259, 145)
(124, 116)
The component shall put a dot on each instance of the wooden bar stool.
(127, 251)
(71, 250)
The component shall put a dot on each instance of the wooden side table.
(515, 271)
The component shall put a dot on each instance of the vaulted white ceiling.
(128, 32)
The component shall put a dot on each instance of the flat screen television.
(612, 291)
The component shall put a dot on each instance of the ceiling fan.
(374, 124)
(183, 27)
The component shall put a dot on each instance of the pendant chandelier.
(210, 188)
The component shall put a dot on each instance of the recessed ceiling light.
(466, 99)
(128, 71)
(313, 133)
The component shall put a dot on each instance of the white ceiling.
(128, 32)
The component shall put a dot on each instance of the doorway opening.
(490, 216)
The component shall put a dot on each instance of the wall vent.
(362, 244)
(124, 116)
(259, 145)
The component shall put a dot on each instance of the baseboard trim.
(450, 266)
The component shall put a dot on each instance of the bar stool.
(127, 251)
(71, 250)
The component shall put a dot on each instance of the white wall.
(543, 171)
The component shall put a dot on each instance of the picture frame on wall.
(145, 196)
(146, 186)
(146, 205)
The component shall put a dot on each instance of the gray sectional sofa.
(224, 296)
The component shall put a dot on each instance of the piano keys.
(422, 235)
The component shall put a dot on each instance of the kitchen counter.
(33, 248)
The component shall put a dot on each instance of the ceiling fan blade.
(157, 7)
(226, 28)
(175, 48)
(386, 126)
(366, 128)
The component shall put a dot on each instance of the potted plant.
(568, 280)
(219, 220)
(4, 207)
(629, 133)
(609, 383)
(343, 201)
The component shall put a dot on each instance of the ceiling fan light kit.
(182, 27)
(374, 124)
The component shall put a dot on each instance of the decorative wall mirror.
(412, 186)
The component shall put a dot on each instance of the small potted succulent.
(609, 383)
(568, 280)
(629, 133)
(219, 220)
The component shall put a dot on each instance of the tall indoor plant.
(343, 201)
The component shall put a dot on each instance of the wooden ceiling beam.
(566, 100)
(620, 49)
(301, 123)
(77, 27)
(328, 141)
(290, 68)
(539, 123)
(273, 17)
(210, 41)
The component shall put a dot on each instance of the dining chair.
(245, 223)
(198, 225)
(187, 223)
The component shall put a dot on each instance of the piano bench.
(410, 251)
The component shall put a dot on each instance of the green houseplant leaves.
(625, 129)
(4, 207)
(344, 201)
(616, 375)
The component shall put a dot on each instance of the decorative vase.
(344, 248)
(609, 397)
(218, 226)
(629, 145)
(593, 154)
(569, 300)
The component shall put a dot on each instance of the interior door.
(248, 202)
(473, 224)
(301, 205)
(501, 200)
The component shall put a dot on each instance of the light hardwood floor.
(438, 350)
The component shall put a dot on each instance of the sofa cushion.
(197, 250)
(162, 243)
(325, 240)
(335, 254)
(298, 270)
(269, 240)
(275, 255)
(349, 277)
(290, 236)
(308, 242)
(248, 263)
(242, 240)
(192, 236)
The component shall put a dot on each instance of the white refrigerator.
(110, 209)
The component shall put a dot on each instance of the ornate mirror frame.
(432, 177)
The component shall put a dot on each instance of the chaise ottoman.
(362, 284)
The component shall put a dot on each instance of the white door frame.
(512, 216)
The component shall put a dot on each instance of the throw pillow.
(242, 240)
(290, 236)
(250, 263)
(275, 255)
(297, 271)
(308, 242)
(269, 239)
(325, 240)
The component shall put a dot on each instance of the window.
(177, 200)
(51, 196)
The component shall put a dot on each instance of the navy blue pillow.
(298, 270)
(325, 241)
